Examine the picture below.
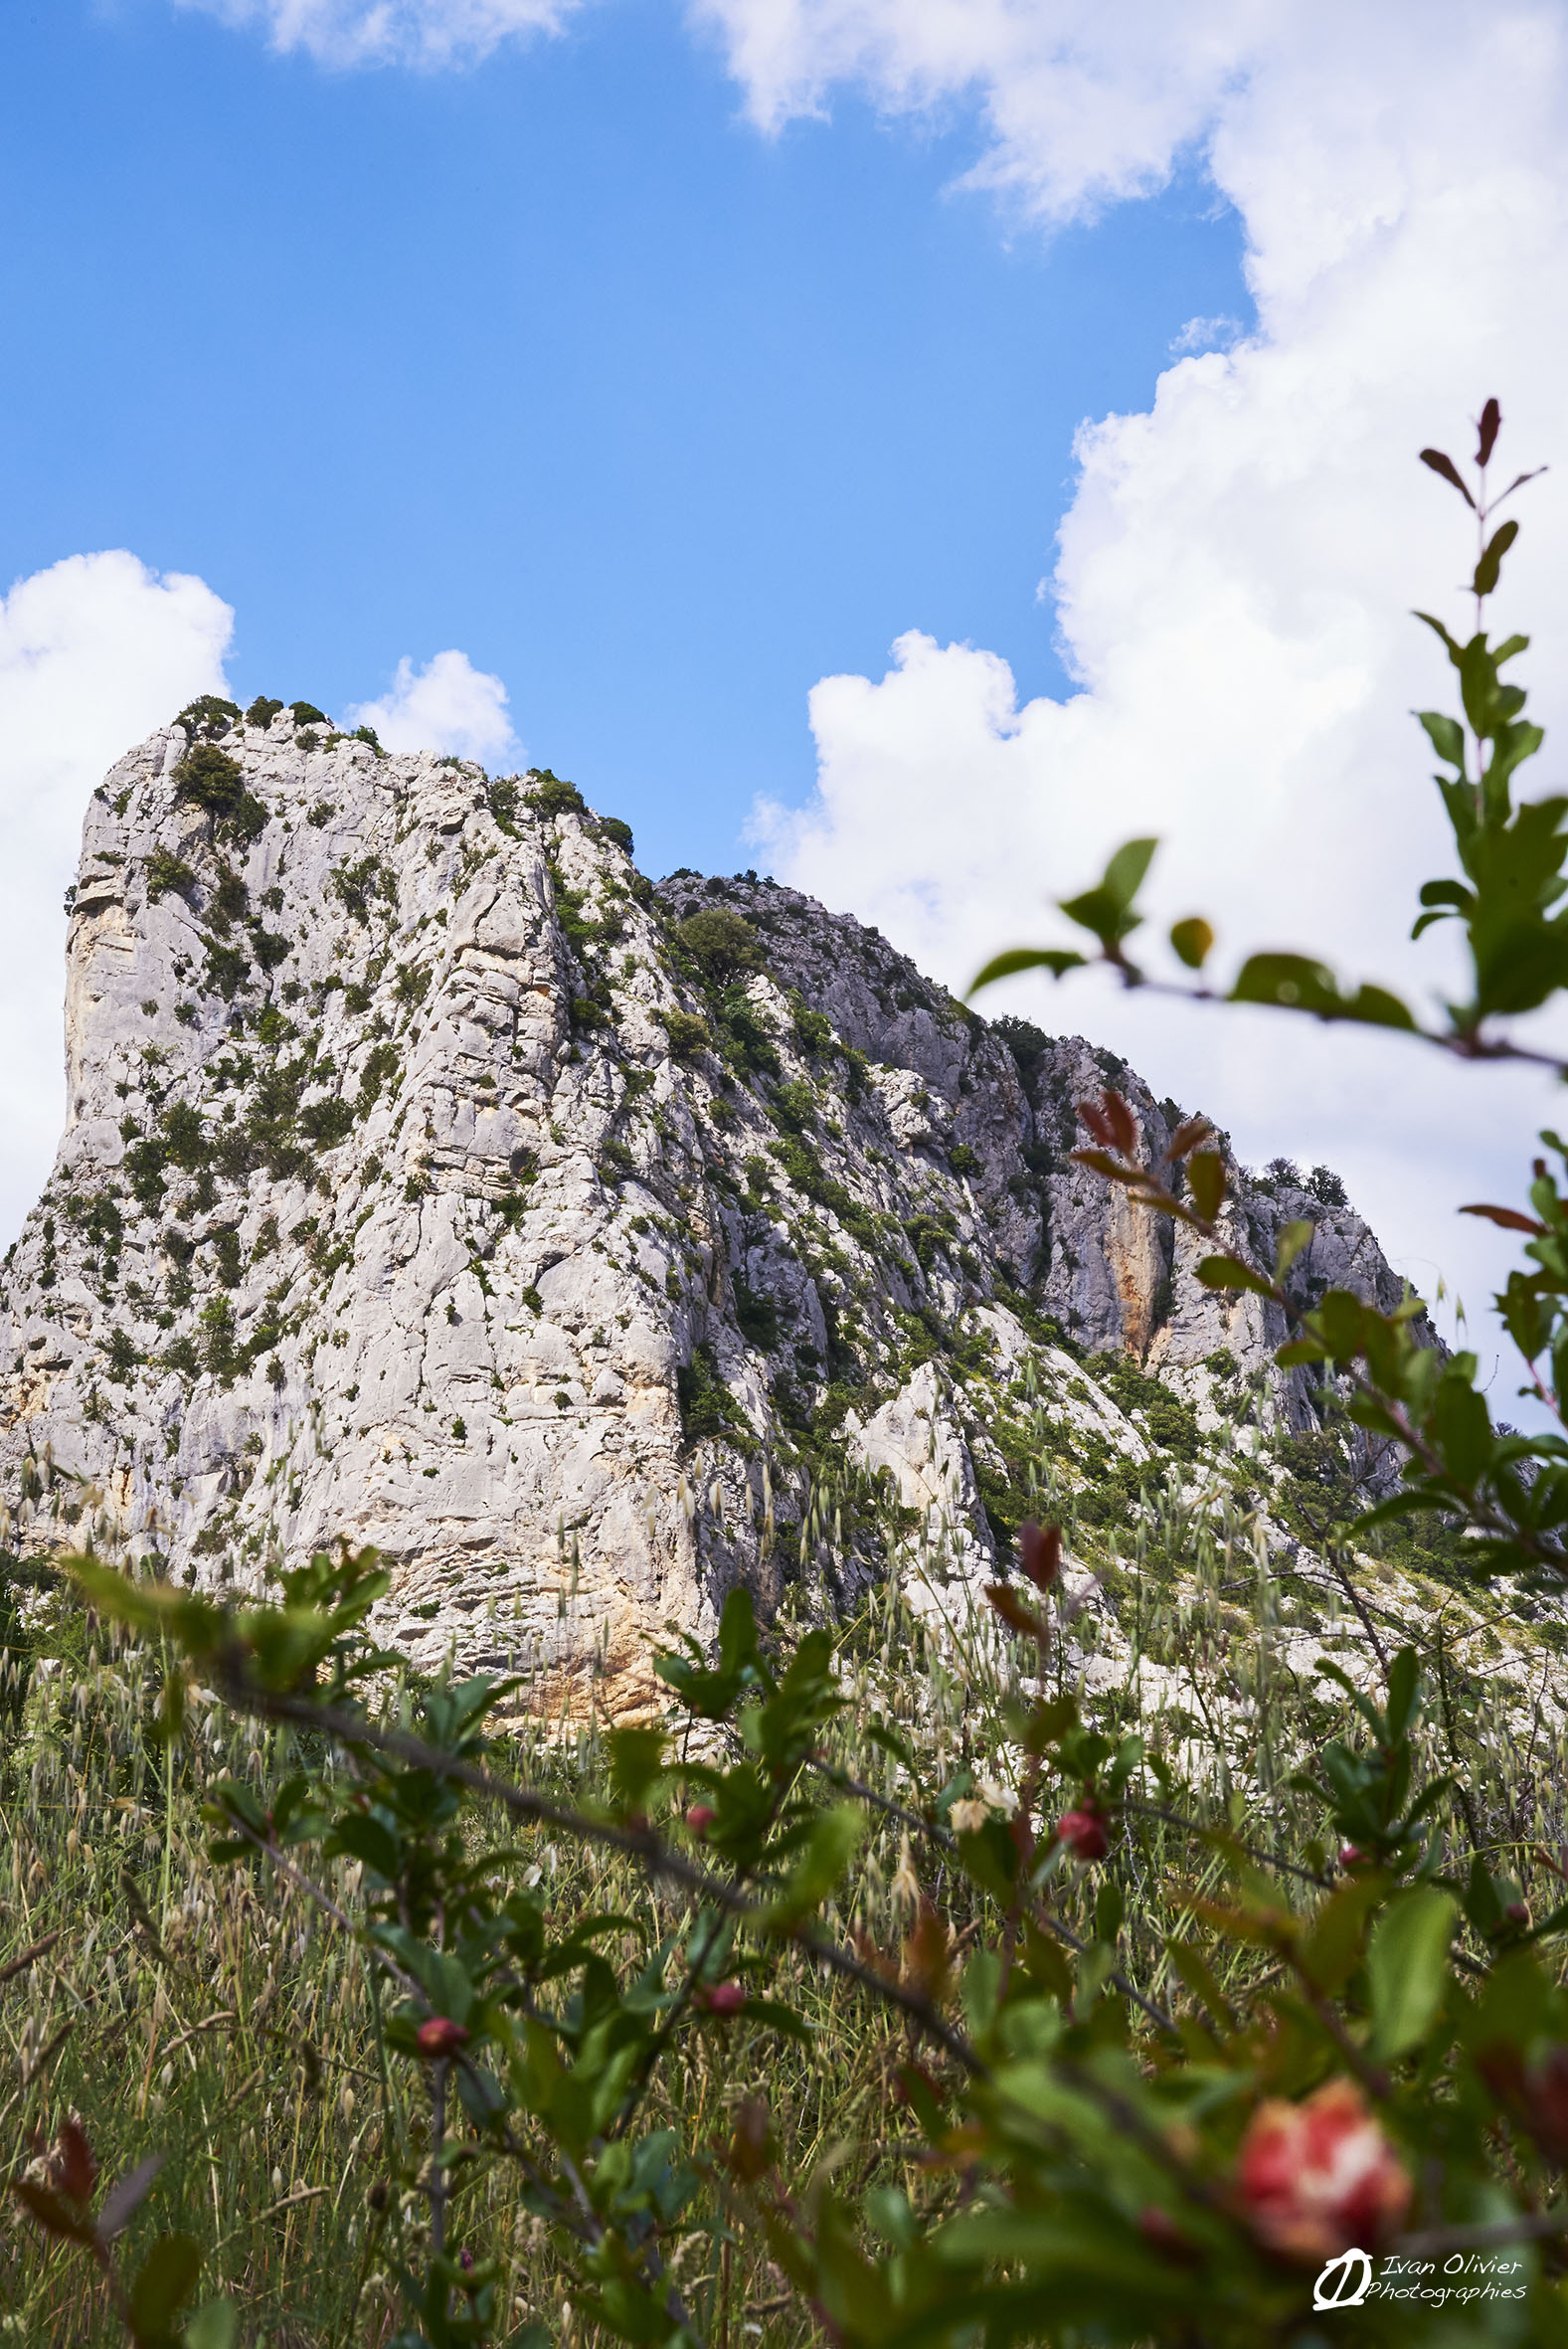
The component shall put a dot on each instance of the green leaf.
(835, 1838)
(1192, 940)
(1491, 564)
(637, 1764)
(1407, 1967)
(165, 2277)
(1293, 1237)
(214, 2325)
(779, 2017)
(1229, 1272)
(1054, 959)
(1295, 982)
(1107, 909)
(1207, 1182)
(1448, 736)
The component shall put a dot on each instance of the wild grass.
(219, 2016)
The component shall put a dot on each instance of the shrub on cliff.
(721, 943)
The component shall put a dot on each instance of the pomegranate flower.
(1084, 1833)
(439, 2035)
(725, 1998)
(1318, 2177)
(700, 1818)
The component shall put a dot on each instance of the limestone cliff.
(430, 1180)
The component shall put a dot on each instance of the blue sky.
(558, 360)
(663, 371)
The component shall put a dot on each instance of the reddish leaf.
(52, 2213)
(1041, 1553)
(1187, 1136)
(73, 2163)
(927, 1965)
(1017, 1616)
(1101, 1162)
(1491, 421)
(1448, 470)
(1510, 1219)
(1124, 1125)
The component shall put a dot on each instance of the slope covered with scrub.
(433, 1179)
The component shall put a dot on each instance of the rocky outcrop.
(432, 1181)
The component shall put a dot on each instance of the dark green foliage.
(320, 815)
(305, 713)
(926, 1236)
(963, 1159)
(228, 968)
(226, 1255)
(795, 1106)
(757, 1317)
(262, 711)
(806, 1172)
(745, 1037)
(1325, 1187)
(613, 829)
(184, 1138)
(358, 885)
(220, 1352)
(708, 1410)
(814, 1031)
(121, 1354)
(368, 734)
(381, 1066)
(1027, 1044)
(166, 871)
(1167, 1420)
(210, 778)
(688, 1035)
(228, 900)
(327, 1123)
(244, 822)
(548, 795)
(209, 714)
(720, 942)
(502, 797)
(271, 947)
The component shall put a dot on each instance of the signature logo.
(1345, 2283)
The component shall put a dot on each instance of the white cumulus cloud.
(95, 652)
(426, 33)
(1234, 579)
(449, 705)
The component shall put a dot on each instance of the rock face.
(432, 1181)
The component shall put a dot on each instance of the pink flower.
(1084, 1833)
(439, 2035)
(1351, 1856)
(700, 1818)
(725, 1998)
(1318, 2177)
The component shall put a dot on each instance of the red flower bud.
(1084, 1833)
(1318, 2176)
(1351, 1856)
(439, 2035)
(1517, 1913)
(700, 1818)
(725, 1998)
